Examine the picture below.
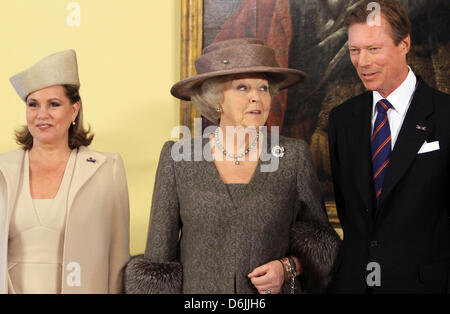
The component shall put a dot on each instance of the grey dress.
(220, 233)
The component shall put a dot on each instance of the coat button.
(374, 243)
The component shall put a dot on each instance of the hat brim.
(283, 76)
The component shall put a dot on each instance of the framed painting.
(310, 35)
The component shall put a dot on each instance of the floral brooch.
(278, 151)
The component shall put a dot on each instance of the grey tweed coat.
(206, 237)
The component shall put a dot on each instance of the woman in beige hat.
(64, 209)
(222, 224)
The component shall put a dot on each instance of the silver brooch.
(278, 151)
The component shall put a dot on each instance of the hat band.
(234, 57)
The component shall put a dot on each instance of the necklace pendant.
(237, 162)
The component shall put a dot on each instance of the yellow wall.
(128, 57)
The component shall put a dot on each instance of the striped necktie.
(381, 146)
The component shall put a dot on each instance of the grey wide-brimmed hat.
(57, 69)
(237, 56)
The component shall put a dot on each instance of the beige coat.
(96, 245)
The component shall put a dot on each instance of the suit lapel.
(11, 168)
(265, 163)
(86, 164)
(359, 138)
(410, 140)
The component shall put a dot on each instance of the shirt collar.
(401, 97)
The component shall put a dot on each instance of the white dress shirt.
(400, 99)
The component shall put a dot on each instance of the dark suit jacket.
(408, 235)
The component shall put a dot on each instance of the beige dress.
(36, 237)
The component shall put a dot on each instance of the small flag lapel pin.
(421, 127)
(90, 159)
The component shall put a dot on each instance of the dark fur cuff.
(145, 277)
(316, 246)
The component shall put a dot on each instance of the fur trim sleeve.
(145, 277)
(316, 245)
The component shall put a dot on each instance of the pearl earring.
(73, 123)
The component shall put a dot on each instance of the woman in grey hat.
(222, 224)
(64, 213)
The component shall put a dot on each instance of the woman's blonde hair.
(207, 97)
(78, 135)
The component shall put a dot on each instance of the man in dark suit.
(390, 160)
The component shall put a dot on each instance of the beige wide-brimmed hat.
(237, 56)
(57, 69)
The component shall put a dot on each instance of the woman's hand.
(268, 278)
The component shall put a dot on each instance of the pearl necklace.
(237, 157)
